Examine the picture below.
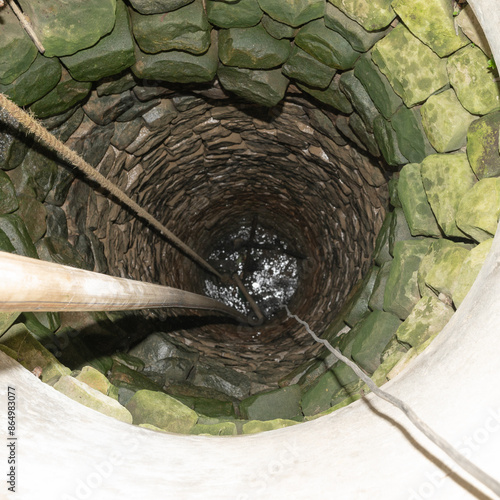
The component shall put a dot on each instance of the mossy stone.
(306, 69)
(279, 403)
(264, 87)
(344, 374)
(38, 80)
(185, 29)
(483, 146)
(326, 45)
(124, 377)
(293, 13)
(374, 334)
(381, 252)
(256, 426)
(364, 135)
(413, 69)
(416, 208)
(112, 54)
(376, 301)
(447, 178)
(8, 199)
(14, 228)
(17, 51)
(158, 6)
(442, 276)
(427, 263)
(178, 66)
(371, 14)
(60, 251)
(358, 306)
(432, 22)
(387, 141)
(76, 26)
(332, 95)
(220, 429)
(402, 291)
(92, 398)
(359, 39)
(212, 407)
(34, 215)
(411, 136)
(276, 29)
(31, 354)
(399, 229)
(358, 96)
(252, 48)
(377, 85)
(445, 121)
(473, 81)
(469, 271)
(62, 97)
(7, 318)
(479, 209)
(94, 378)
(319, 397)
(161, 410)
(426, 320)
(242, 14)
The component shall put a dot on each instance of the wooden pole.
(35, 285)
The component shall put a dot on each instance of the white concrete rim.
(366, 450)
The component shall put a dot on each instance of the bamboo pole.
(35, 285)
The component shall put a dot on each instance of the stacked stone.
(392, 78)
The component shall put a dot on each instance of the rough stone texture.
(33, 214)
(445, 121)
(414, 71)
(482, 146)
(255, 426)
(242, 14)
(95, 379)
(428, 261)
(402, 291)
(220, 429)
(432, 22)
(264, 87)
(14, 228)
(326, 45)
(377, 85)
(381, 252)
(319, 397)
(473, 81)
(62, 97)
(60, 251)
(276, 29)
(469, 271)
(222, 379)
(427, 319)
(38, 80)
(332, 95)
(373, 335)
(442, 275)
(376, 301)
(169, 370)
(366, 137)
(479, 210)
(177, 66)
(417, 210)
(111, 55)
(252, 48)
(104, 110)
(470, 26)
(92, 398)
(359, 39)
(161, 410)
(184, 29)
(358, 306)
(359, 98)
(293, 13)
(14, 40)
(31, 354)
(158, 6)
(8, 199)
(280, 403)
(76, 26)
(387, 141)
(371, 14)
(412, 139)
(306, 69)
(447, 178)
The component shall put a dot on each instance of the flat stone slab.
(280, 403)
(473, 81)
(447, 178)
(371, 14)
(332, 95)
(242, 14)
(293, 13)
(413, 69)
(92, 398)
(255, 426)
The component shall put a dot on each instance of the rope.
(54, 144)
(452, 452)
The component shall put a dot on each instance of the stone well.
(351, 132)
